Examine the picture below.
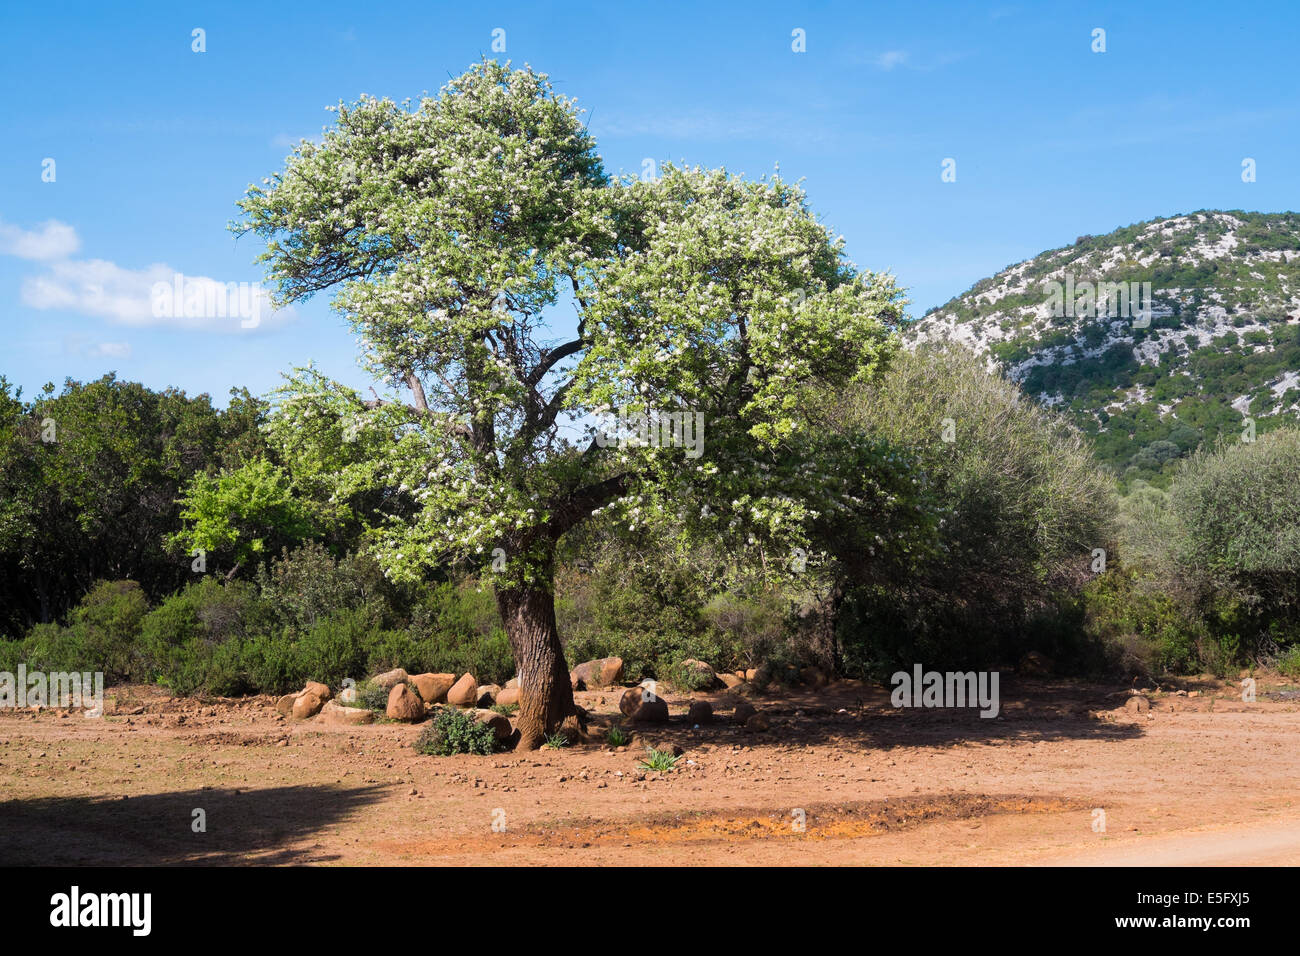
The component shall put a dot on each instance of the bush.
(455, 731)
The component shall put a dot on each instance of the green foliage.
(455, 731)
(617, 736)
(658, 760)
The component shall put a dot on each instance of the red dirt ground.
(1203, 779)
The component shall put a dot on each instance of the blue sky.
(153, 143)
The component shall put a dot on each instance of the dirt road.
(841, 778)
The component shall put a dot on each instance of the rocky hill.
(1154, 338)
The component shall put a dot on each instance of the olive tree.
(457, 233)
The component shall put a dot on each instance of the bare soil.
(841, 777)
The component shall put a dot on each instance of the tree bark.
(545, 695)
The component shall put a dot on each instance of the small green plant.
(556, 741)
(660, 760)
(454, 731)
(508, 709)
(1288, 665)
(617, 737)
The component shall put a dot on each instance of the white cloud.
(51, 240)
(131, 296)
(137, 297)
(891, 58)
(112, 349)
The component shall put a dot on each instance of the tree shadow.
(264, 827)
(862, 717)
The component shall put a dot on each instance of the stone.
(1137, 704)
(508, 696)
(702, 675)
(404, 704)
(433, 688)
(464, 693)
(757, 723)
(701, 713)
(307, 705)
(1034, 664)
(320, 690)
(600, 673)
(335, 713)
(744, 710)
(389, 679)
(750, 675)
(512, 682)
(285, 704)
(664, 747)
(499, 723)
(814, 677)
(730, 680)
(636, 705)
(487, 694)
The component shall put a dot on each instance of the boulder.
(404, 704)
(487, 694)
(701, 674)
(463, 693)
(814, 677)
(604, 672)
(701, 713)
(389, 679)
(320, 690)
(757, 723)
(744, 710)
(307, 705)
(750, 675)
(730, 680)
(499, 723)
(1034, 664)
(512, 682)
(433, 688)
(1137, 704)
(285, 704)
(638, 705)
(335, 713)
(508, 696)
(664, 747)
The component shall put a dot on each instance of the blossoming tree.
(461, 236)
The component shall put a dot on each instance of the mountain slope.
(1154, 338)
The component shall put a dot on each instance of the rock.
(508, 696)
(701, 674)
(744, 710)
(404, 704)
(389, 679)
(604, 672)
(757, 723)
(1034, 664)
(499, 723)
(487, 695)
(750, 675)
(433, 688)
(1137, 704)
(320, 690)
(335, 713)
(701, 713)
(664, 747)
(730, 680)
(285, 704)
(814, 677)
(512, 682)
(464, 693)
(307, 705)
(638, 706)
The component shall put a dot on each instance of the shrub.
(455, 731)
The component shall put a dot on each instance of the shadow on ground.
(266, 827)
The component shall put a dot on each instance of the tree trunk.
(545, 695)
